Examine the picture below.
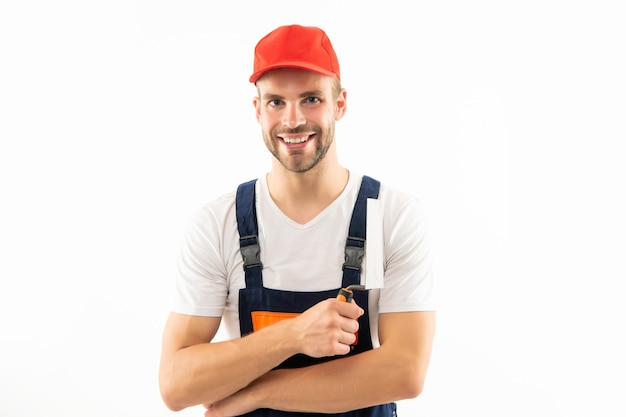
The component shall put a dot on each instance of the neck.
(302, 196)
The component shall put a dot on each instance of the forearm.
(394, 371)
(208, 372)
(345, 384)
(194, 371)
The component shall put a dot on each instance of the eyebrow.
(314, 93)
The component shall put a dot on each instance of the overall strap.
(355, 243)
(245, 208)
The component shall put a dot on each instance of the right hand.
(327, 329)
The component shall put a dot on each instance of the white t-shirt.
(302, 257)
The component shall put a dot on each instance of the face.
(297, 111)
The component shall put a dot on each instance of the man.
(267, 261)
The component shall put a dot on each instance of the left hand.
(237, 404)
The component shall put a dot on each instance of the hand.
(327, 328)
(239, 403)
(228, 407)
(212, 410)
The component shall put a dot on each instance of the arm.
(394, 371)
(195, 371)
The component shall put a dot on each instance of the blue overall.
(256, 298)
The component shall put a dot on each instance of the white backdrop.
(118, 119)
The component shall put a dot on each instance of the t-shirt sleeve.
(201, 283)
(408, 276)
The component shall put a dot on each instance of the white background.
(118, 119)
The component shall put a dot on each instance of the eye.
(312, 100)
(274, 102)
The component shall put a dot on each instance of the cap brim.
(299, 65)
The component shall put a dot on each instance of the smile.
(294, 140)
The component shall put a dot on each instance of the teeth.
(292, 141)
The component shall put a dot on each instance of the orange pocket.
(261, 319)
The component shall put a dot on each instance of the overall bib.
(260, 306)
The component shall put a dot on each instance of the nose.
(293, 116)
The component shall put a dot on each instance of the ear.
(256, 102)
(341, 104)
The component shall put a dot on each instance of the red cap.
(295, 46)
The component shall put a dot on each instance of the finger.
(349, 310)
(347, 338)
(210, 410)
(342, 348)
(350, 325)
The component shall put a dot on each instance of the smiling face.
(297, 111)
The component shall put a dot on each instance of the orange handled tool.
(346, 294)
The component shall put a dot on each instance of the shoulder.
(217, 209)
(393, 199)
(397, 200)
(223, 205)
(402, 210)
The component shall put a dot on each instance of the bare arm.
(394, 371)
(195, 371)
